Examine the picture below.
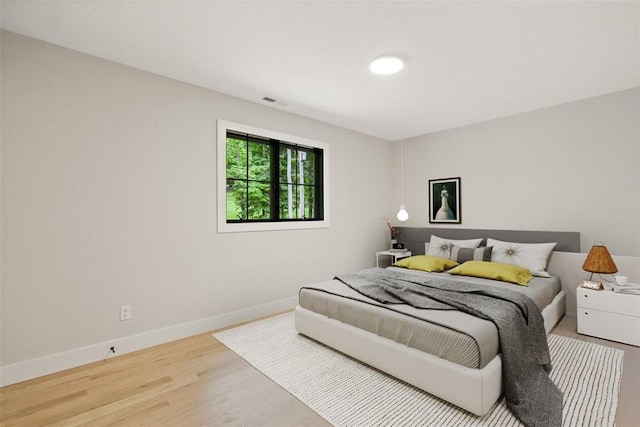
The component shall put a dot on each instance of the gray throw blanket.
(530, 394)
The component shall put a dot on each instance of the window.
(269, 181)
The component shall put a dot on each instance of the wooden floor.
(197, 381)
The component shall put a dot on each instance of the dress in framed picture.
(444, 201)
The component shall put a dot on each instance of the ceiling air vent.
(266, 98)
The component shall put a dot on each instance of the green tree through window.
(272, 180)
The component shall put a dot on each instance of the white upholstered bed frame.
(475, 390)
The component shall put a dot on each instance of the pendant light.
(403, 215)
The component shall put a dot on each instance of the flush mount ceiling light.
(385, 65)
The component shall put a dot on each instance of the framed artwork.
(444, 201)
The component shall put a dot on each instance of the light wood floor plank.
(198, 381)
(124, 405)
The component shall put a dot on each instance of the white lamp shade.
(403, 215)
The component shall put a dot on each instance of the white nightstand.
(610, 315)
(395, 256)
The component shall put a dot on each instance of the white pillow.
(442, 247)
(532, 256)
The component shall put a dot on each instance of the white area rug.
(348, 393)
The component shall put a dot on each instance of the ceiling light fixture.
(385, 65)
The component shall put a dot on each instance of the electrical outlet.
(125, 312)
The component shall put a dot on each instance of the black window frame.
(275, 180)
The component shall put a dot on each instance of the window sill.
(242, 227)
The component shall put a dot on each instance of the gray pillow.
(461, 255)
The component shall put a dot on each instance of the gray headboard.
(414, 237)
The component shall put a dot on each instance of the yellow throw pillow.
(494, 270)
(432, 264)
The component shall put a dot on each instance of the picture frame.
(588, 284)
(444, 201)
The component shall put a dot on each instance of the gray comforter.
(530, 394)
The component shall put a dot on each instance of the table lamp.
(599, 261)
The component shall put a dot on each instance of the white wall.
(573, 167)
(109, 198)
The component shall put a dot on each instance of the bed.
(431, 350)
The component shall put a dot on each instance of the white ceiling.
(466, 62)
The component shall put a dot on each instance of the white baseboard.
(41, 366)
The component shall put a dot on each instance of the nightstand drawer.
(608, 301)
(610, 326)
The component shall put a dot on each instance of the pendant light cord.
(402, 170)
(403, 215)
